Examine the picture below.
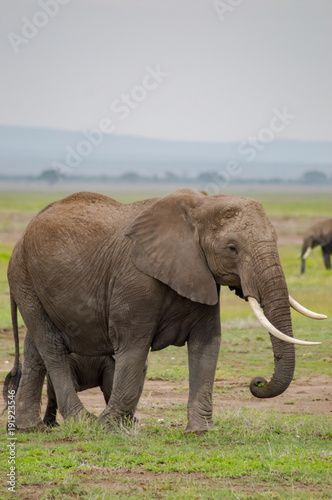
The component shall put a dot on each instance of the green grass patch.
(251, 445)
(33, 202)
(295, 203)
(5, 254)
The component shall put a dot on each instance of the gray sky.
(226, 72)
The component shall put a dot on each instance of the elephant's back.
(321, 229)
(84, 204)
(72, 236)
(82, 217)
(327, 227)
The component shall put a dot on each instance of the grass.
(250, 454)
(13, 202)
(295, 204)
(258, 450)
(17, 208)
(5, 254)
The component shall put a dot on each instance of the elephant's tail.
(12, 380)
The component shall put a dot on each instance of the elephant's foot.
(133, 420)
(50, 423)
(112, 422)
(108, 422)
(129, 420)
(39, 427)
(198, 427)
(28, 421)
(89, 416)
(50, 418)
(83, 415)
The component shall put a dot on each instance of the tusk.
(307, 253)
(306, 312)
(274, 331)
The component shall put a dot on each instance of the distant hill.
(29, 151)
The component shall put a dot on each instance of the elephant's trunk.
(273, 294)
(284, 354)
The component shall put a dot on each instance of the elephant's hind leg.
(51, 349)
(29, 392)
(55, 355)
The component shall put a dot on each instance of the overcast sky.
(227, 69)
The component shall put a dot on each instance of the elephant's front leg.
(130, 370)
(203, 351)
(326, 256)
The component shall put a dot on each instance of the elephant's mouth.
(238, 292)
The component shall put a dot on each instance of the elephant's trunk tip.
(256, 386)
(261, 388)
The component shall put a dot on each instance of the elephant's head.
(193, 243)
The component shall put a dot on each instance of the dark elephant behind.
(95, 277)
(319, 234)
(87, 373)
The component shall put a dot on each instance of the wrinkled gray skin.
(319, 234)
(86, 373)
(99, 278)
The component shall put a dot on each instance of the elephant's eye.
(232, 248)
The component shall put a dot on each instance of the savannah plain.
(258, 449)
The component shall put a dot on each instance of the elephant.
(86, 373)
(319, 233)
(93, 276)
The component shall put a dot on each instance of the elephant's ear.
(166, 247)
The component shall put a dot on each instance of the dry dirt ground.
(305, 396)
